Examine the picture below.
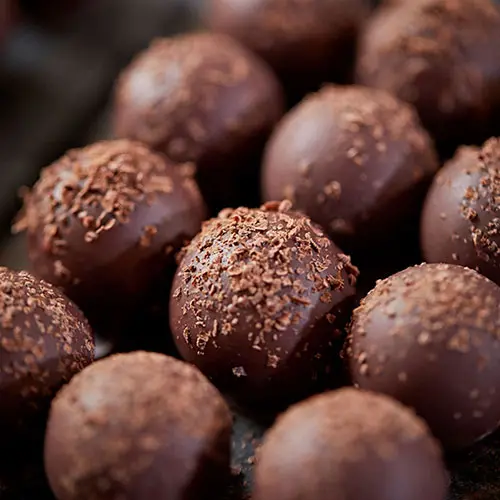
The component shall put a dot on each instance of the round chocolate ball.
(306, 42)
(202, 98)
(352, 445)
(429, 336)
(259, 301)
(461, 217)
(443, 56)
(356, 160)
(44, 341)
(104, 223)
(137, 426)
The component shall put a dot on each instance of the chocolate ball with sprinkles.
(206, 99)
(104, 223)
(138, 426)
(357, 161)
(44, 341)
(443, 56)
(259, 302)
(350, 445)
(461, 216)
(429, 336)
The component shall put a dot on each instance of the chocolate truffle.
(206, 99)
(307, 42)
(104, 223)
(44, 341)
(429, 336)
(259, 300)
(351, 445)
(138, 426)
(461, 217)
(355, 160)
(443, 56)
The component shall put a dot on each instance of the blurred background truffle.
(357, 161)
(461, 217)
(259, 303)
(137, 426)
(351, 444)
(307, 42)
(443, 56)
(203, 98)
(429, 336)
(104, 223)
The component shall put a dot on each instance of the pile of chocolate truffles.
(278, 253)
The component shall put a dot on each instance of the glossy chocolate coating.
(259, 301)
(443, 56)
(429, 336)
(351, 445)
(138, 426)
(104, 223)
(206, 99)
(307, 42)
(356, 160)
(44, 341)
(460, 221)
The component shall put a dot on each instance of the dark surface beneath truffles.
(259, 302)
(430, 337)
(205, 99)
(461, 216)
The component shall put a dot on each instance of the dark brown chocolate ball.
(443, 56)
(350, 445)
(356, 160)
(104, 223)
(44, 341)
(461, 217)
(307, 42)
(259, 301)
(138, 426)
(429, 336)
(202, 98)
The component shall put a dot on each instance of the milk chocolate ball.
(443, 56)
(104, 223)
(259, 302)
(206, 99)
(429, 336)
(461, 217)
(138, 426)
(352, 445)
(357, 161)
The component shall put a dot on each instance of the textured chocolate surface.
(307, 42)
(202, 98)
(442, 56)
(430, 337)
(460, 221)
(352, 445)
(356, 160)
(259, 302)
(138, 426)
(44, 341)
(104, 223)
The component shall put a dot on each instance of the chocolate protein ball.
(429, 336)
(307, 42)
(104, 223)
(138, 426)
(259, 302)
(202, 98)
(44, 341)
(357, 161)
(443, 56)
(352, 445)
(461, 217)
